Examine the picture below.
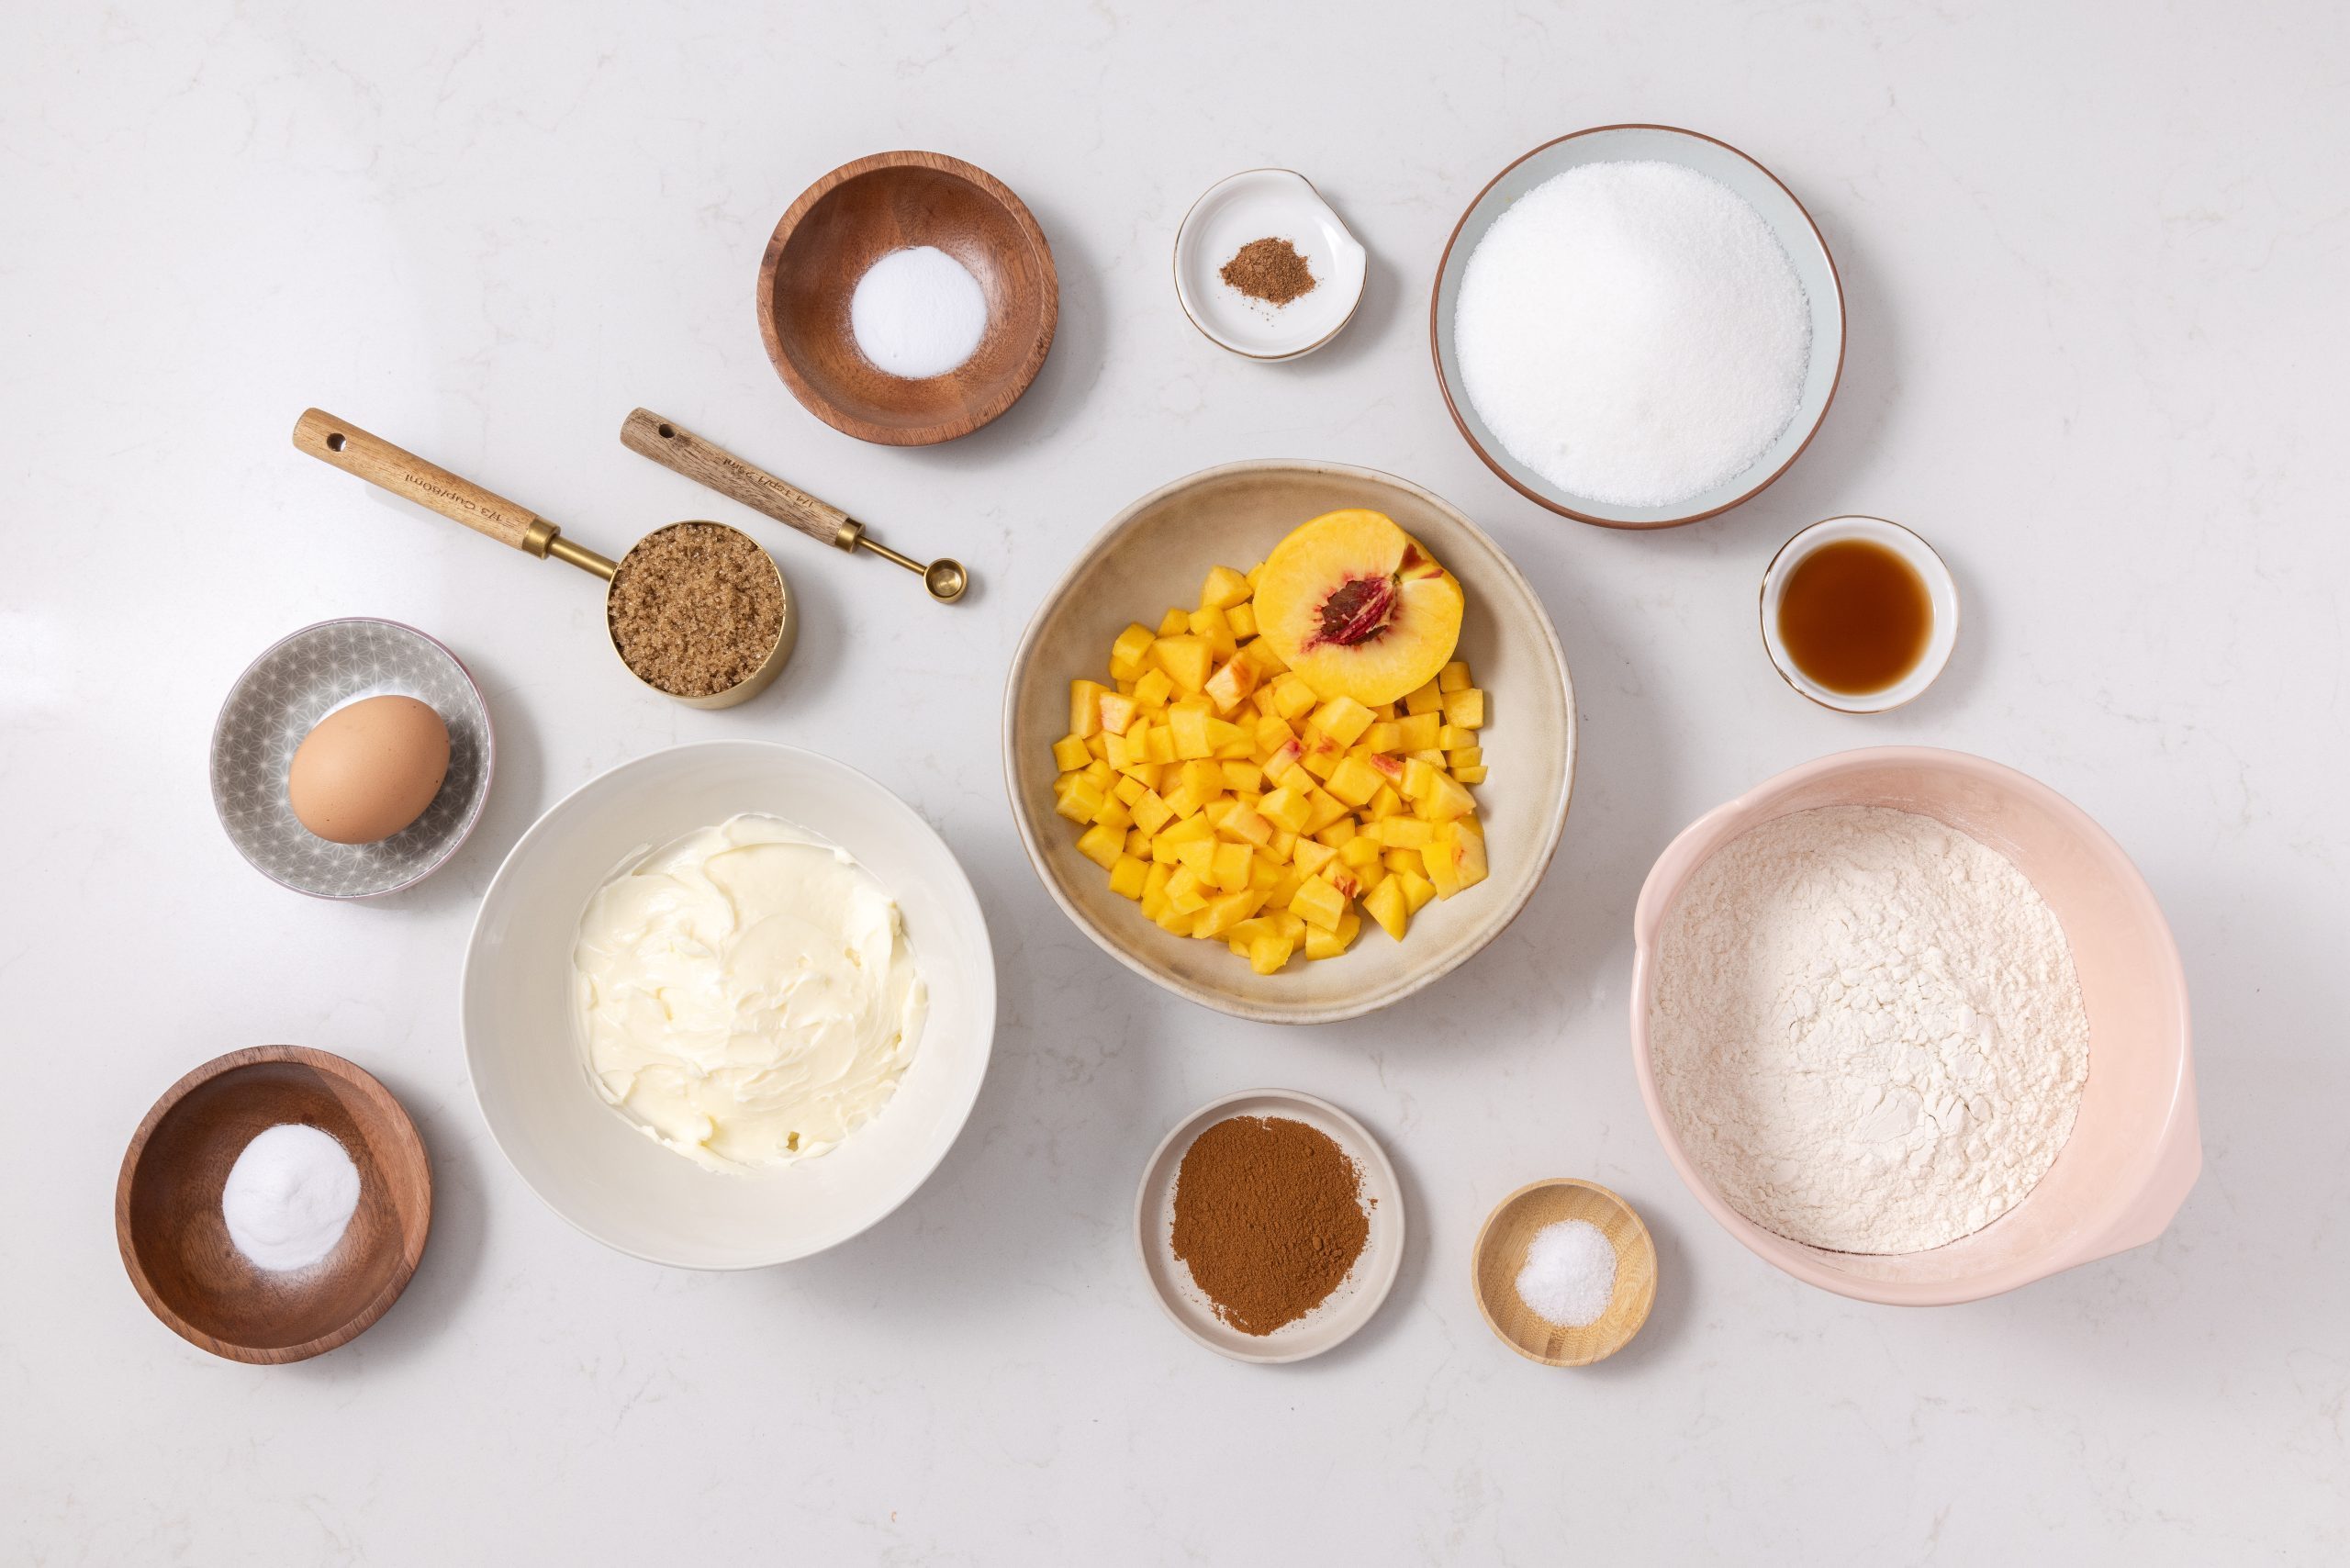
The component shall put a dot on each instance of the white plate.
(1358, 1296)
(1717, 160)
(1255, 205)
(530, 1074)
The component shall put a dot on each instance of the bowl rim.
(2098, 1232)
(1452, 406)
(1485, 1237)
(1259, 1012)
(1378, 1283)
(1922, 557)
(481, 794)
(406, 1139)
(1183, 294)
(962, 890)
(962, 424)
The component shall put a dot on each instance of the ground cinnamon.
(1269, 1217)
(1268, 269)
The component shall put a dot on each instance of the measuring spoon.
(704, 462)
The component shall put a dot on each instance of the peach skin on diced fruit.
(1358, 607)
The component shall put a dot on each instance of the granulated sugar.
(1633, 332)
(288, 1196)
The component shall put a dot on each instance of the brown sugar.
(695, 609)
(1268, 269)
(1269, 1217)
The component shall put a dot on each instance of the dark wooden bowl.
(175, 1245)
(851, 219)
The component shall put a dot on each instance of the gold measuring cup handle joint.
(578, 555)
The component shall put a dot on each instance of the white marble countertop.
(2095, 259)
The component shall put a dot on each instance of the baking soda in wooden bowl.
(1633, 332)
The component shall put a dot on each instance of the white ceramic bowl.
(1716, 160)
(1154, 554)
(1348, 1308)
(531, 1075)
(1941, 592)
(1258, 204)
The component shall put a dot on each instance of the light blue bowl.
(1719, 161)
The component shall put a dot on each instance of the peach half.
(1358, 607)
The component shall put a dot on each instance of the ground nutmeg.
(1269, 1217)
(1268, 269)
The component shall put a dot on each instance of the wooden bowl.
(1154, 553)
(851, 219)
(1501, 1252)
(175, 1245)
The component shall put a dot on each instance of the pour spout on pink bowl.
(2136, 1147)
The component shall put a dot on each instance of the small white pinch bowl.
(1941, 591)
(1254, 205)
(530, 1072)
(1344, 1310)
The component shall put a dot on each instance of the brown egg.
(368, 770)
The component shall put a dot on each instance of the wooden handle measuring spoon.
(704, 462)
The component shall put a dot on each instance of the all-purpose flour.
(1867, 1030)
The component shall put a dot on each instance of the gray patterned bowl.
(282, 697)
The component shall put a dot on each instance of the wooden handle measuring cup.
(705, 462)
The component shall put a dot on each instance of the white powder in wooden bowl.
(1867, 1032)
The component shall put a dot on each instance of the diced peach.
(1243, 617)
(1465, 709)
(1446, 798)
(1153, 688)
(1342, 719)
(1354, 781)
(1470, 775)
(1102, 846)
(1319, 902)
(1118, 713)
(1268, 953)
(1085, 707)
(1310, 855)
(1427, 699)
(1128, 876)
(1419, 732)
(1233, 681)
(1453, 677)
(1070, 752)
(1130, 654)
(1186, 659)
(1175, 622)
(1386, 905)
(1320, 943)
(1288, 809)
(1225, 587)
(1295, 696)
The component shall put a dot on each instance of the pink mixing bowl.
(2134, 1152)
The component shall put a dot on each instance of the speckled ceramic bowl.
(279, 701)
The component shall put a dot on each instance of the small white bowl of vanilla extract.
(1859, 615)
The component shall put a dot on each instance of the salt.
(288, 1197)
(1633, 332)
(918, 313)
(1570, 1273)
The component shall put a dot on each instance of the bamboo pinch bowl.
(850, 219)
(341, 444)
(175, 1244)
(1500, 1253)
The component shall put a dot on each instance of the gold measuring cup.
(377, 461)
(677, 449)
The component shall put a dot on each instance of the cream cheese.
(745, 994)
